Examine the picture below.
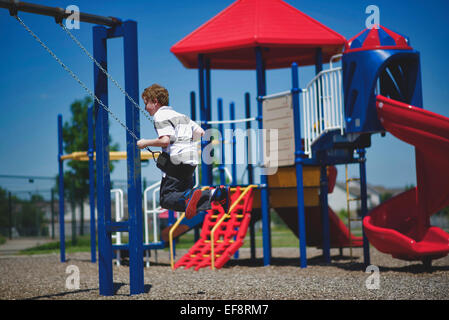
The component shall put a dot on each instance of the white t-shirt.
(183, 133)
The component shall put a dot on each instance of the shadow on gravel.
(338, 261)
(125, 262)
(118, 285)
(62, 294)
(68, 294)
(284, 262)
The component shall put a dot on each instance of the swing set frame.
(105, 28)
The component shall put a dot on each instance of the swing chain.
(123, 91)
(81, 83)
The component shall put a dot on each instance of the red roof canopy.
(286, 34)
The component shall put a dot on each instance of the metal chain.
(104, 71)
(74, 76)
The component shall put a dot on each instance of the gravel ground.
(44, 277)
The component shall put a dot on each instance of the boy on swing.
(177, 135)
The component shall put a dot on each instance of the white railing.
(322, 104)
(119, 215)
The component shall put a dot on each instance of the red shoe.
(192, 202)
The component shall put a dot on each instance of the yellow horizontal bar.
(113, 155)
(220, 241)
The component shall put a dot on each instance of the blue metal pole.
(222, 165)
(192, 106)
(325, 211)
(61, 191)
(203, 118)
(102, 164)
(234, 154)
(208, 113)
(323, 181)
(266, 232)
(318, 69)
(133, 159)
(193, 117)
(318, 60)
(171, 221)
(252, 231)
(364, 199)
(299, 153)
(248, 130)
(90, 153)
(233, 142)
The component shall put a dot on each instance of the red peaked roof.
(287, 34)
(378, 37)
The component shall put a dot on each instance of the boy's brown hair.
(156, 92)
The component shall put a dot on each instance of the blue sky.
(34, 89)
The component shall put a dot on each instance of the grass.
(82, 245)
(281, 237)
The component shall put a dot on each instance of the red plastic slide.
(401, 225)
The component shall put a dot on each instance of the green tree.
(385, 196)
(29, 218)
(76, 179)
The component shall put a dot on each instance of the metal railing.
(322, 104)
(119, 215)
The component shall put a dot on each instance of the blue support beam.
(222, 165)
(318, 60)
(250, 169)
(265, 204)
(133, 159)
(234, 154)
(203, 117)
(324, 189)
(364, 200)
(193, 117)
(90, 154)
(171, 221)
(61, 191)
(233, 144)
(128, 30)
(102, 164)
(208, 106)
(299, 154)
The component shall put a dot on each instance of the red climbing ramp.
(229, 235)
(401, 225)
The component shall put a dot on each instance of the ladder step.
(227, 216)
(219, 241)
(208, 255)
(354, 199)
(353, 179)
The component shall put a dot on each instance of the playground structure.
(377, 89)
